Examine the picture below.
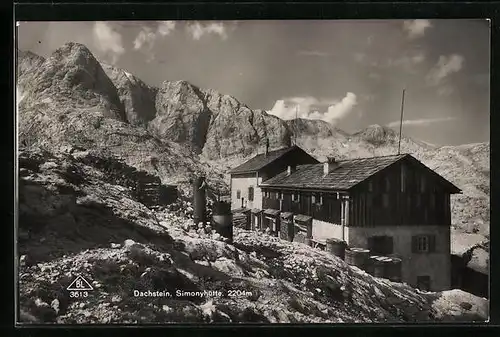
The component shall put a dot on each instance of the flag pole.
(401, 121)
(296, 121)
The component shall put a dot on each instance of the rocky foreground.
(75, 220)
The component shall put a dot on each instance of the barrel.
(357, 257)
(199, 200)
(222, 219)
(370, 266)
(393, 269)
(336, 247)
(380, 266)
(291, 231)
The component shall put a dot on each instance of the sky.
(350, 73)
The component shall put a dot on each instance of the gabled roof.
(346, 175)
(260, 161)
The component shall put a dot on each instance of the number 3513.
(78, 294)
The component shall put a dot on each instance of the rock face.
(378, 135)
(181, 114)
(137, 97)
(307, 127)
(72, 72)
(215, 124)
(27, 62)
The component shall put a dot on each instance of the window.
(238, 194)
(313, 198)
(381, 245)
(424, 282)
(296, 197)
(385, 200)
(280, 195)
(250, 193)
(423, 244)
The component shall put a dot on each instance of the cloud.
(421, 122)
(108, 40)
(165, 27)
(147, 36)
(416, 28)
(317, 53)
(308, 108)
(197, 30)
(445, 66)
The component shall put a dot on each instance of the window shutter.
(432, 243)
(250, 193)
(238, 194)
(414, 244)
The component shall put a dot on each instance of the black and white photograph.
(253, 171)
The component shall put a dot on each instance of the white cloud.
(166, 27)
(421, 122)
(197, 30)
(147, 36)
(416, 28)
(445, 66)
(307, 107)
(108, 40)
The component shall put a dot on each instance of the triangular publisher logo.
(79, 283)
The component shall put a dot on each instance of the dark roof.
(346, 175)
(261, 160)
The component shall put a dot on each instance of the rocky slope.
(75, 220)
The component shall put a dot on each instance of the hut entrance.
(381, 245)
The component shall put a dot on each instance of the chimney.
(267, 146)
(329, 165)
(290, 169)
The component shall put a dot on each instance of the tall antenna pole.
(295, 126)
(401, 121)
